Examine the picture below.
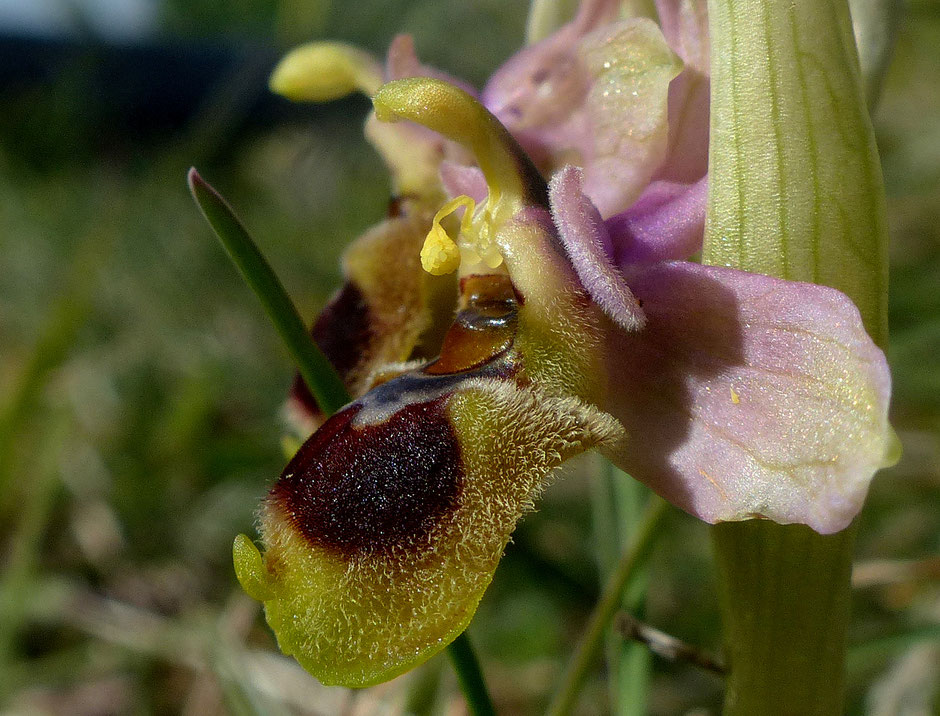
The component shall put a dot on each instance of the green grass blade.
(626, 571)
(319, 375)
(618, 502)
(23, 556)
(634, 662)
(470, 676)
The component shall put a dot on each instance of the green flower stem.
(317, 372)
(795, 191)
(470, 676)
(795, 187)
(631, 562)
(785, 603)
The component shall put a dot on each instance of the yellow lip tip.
(249, 569)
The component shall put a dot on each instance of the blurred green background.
(141, 386)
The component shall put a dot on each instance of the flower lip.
(376, 487)
(380, 474)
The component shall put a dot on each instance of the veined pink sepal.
(748, 396)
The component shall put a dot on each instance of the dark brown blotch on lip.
(343, 333)
(373, 487)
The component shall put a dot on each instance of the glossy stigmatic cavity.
(483, 329)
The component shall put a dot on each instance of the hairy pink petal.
(749, 396)
(665, 223)
(588, 246)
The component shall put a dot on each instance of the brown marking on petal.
(714, 483)
(484, 328)
(371, 488)
(395, 208)
(536, 190)
(398, 205)
(343, 333)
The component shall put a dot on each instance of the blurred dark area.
(74, 101)
(105, 99)
(141, 387)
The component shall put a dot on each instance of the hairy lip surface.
(366, 488)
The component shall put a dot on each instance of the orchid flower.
(733, 395)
